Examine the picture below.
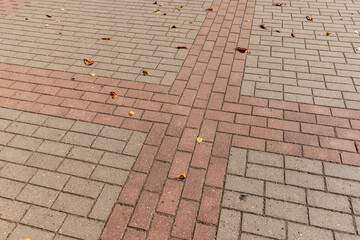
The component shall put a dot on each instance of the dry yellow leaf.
(93, 74)
(27, 239)
(160, 4)
(146, 73)
(0, 33)
(309, 18)
(328, 33)
(57, 20)
(46, 25)
(157, 10)
(62, 9)
(28, 18)
(199, 139)
(357, 49)
(357, 32)
(113, 95)
(131, 113)
(181, 176)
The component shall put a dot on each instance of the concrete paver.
(279, 150)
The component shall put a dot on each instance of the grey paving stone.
(285, 192)
(44, 161)
(117, 160)
(332, 220)
(264, 226)
(328, 201)
(135, 143)
(77, 168)
(105, 203)
(59, 123)
(110, 175)
(38, 195)
(43, 218)
(73, 204)
(108, 144)
(32, 118)
(116, 133)
(78, 139)
(243, 202)
(84, 187)
(9, 188)
(49, 133)
(25, 142)
(85, 154)
(23, 232)
(237, 161)
(304, 180)
(229, 225)
(17, 172)
(245, 185)
(285, 210)
(49, 179)
(265, 173)
(22, 128)
(6, 229)
(89, 128)
(14, 155)
(303, 164)
(12, 210)
(305, 232)
(5, 138)
(82, 228)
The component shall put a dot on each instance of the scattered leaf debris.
(328, 33)
(240, 49)
(279, 4)
(199, 139)
(160, 4)
(93, 74)
(210, 9)
(357, 32)
(88, 62)
(357, 49)
(165, 13)
(48, 15)
(105, 38)
(181, 47)
(279, 31)
(62, 9)
(28, 18)
(309, 18)
(57, 20)
(293, 34)
(131, 113)
(146, 73)
(46, 25)
(181, 176)
(263, 26)
(113, 95)
(173, 26)
(157, 10)
(155, 2)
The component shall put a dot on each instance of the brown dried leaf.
(182, 47)
(146, 73)
(240, 49)
(160, 4)
(113, 95)
(210, 9)
(48, 15)
(173, 26)
(88, 62)
(279, 4)
(155, 2)
(105, 38)
(157, 10)
(263, 26)
(181, 176)
(293, 35)
(165, 13)
(279, 31)
(309, 18)
(28, 18)
(328, 33)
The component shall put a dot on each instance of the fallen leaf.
(60, 33)
(279, 31)
(240, 49)
(173, 26)
(293, 34)
(62, 9)
(182, 47)
(146, 73)
(279, 4)
(210, 9)
(46, 25)
(357, 49)
(0, 33)
(357, 32)
(57, 20)
(181, 176)
(28, 18)
(179, 8)
(155, 2)
(328, 33)
(93, 74)
(248, 21)
(105, 38)
(263, 26)
(309, 18)
(27, 239)
(88, 62)
(165, 13)
(113, 95)
(157, 10)
(49, 16)
(160, 4)
(131, 113)
(199, 139)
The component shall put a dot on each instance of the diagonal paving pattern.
(140, 39)
(311, 67)
(60, 176)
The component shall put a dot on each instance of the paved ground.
(280, 126)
